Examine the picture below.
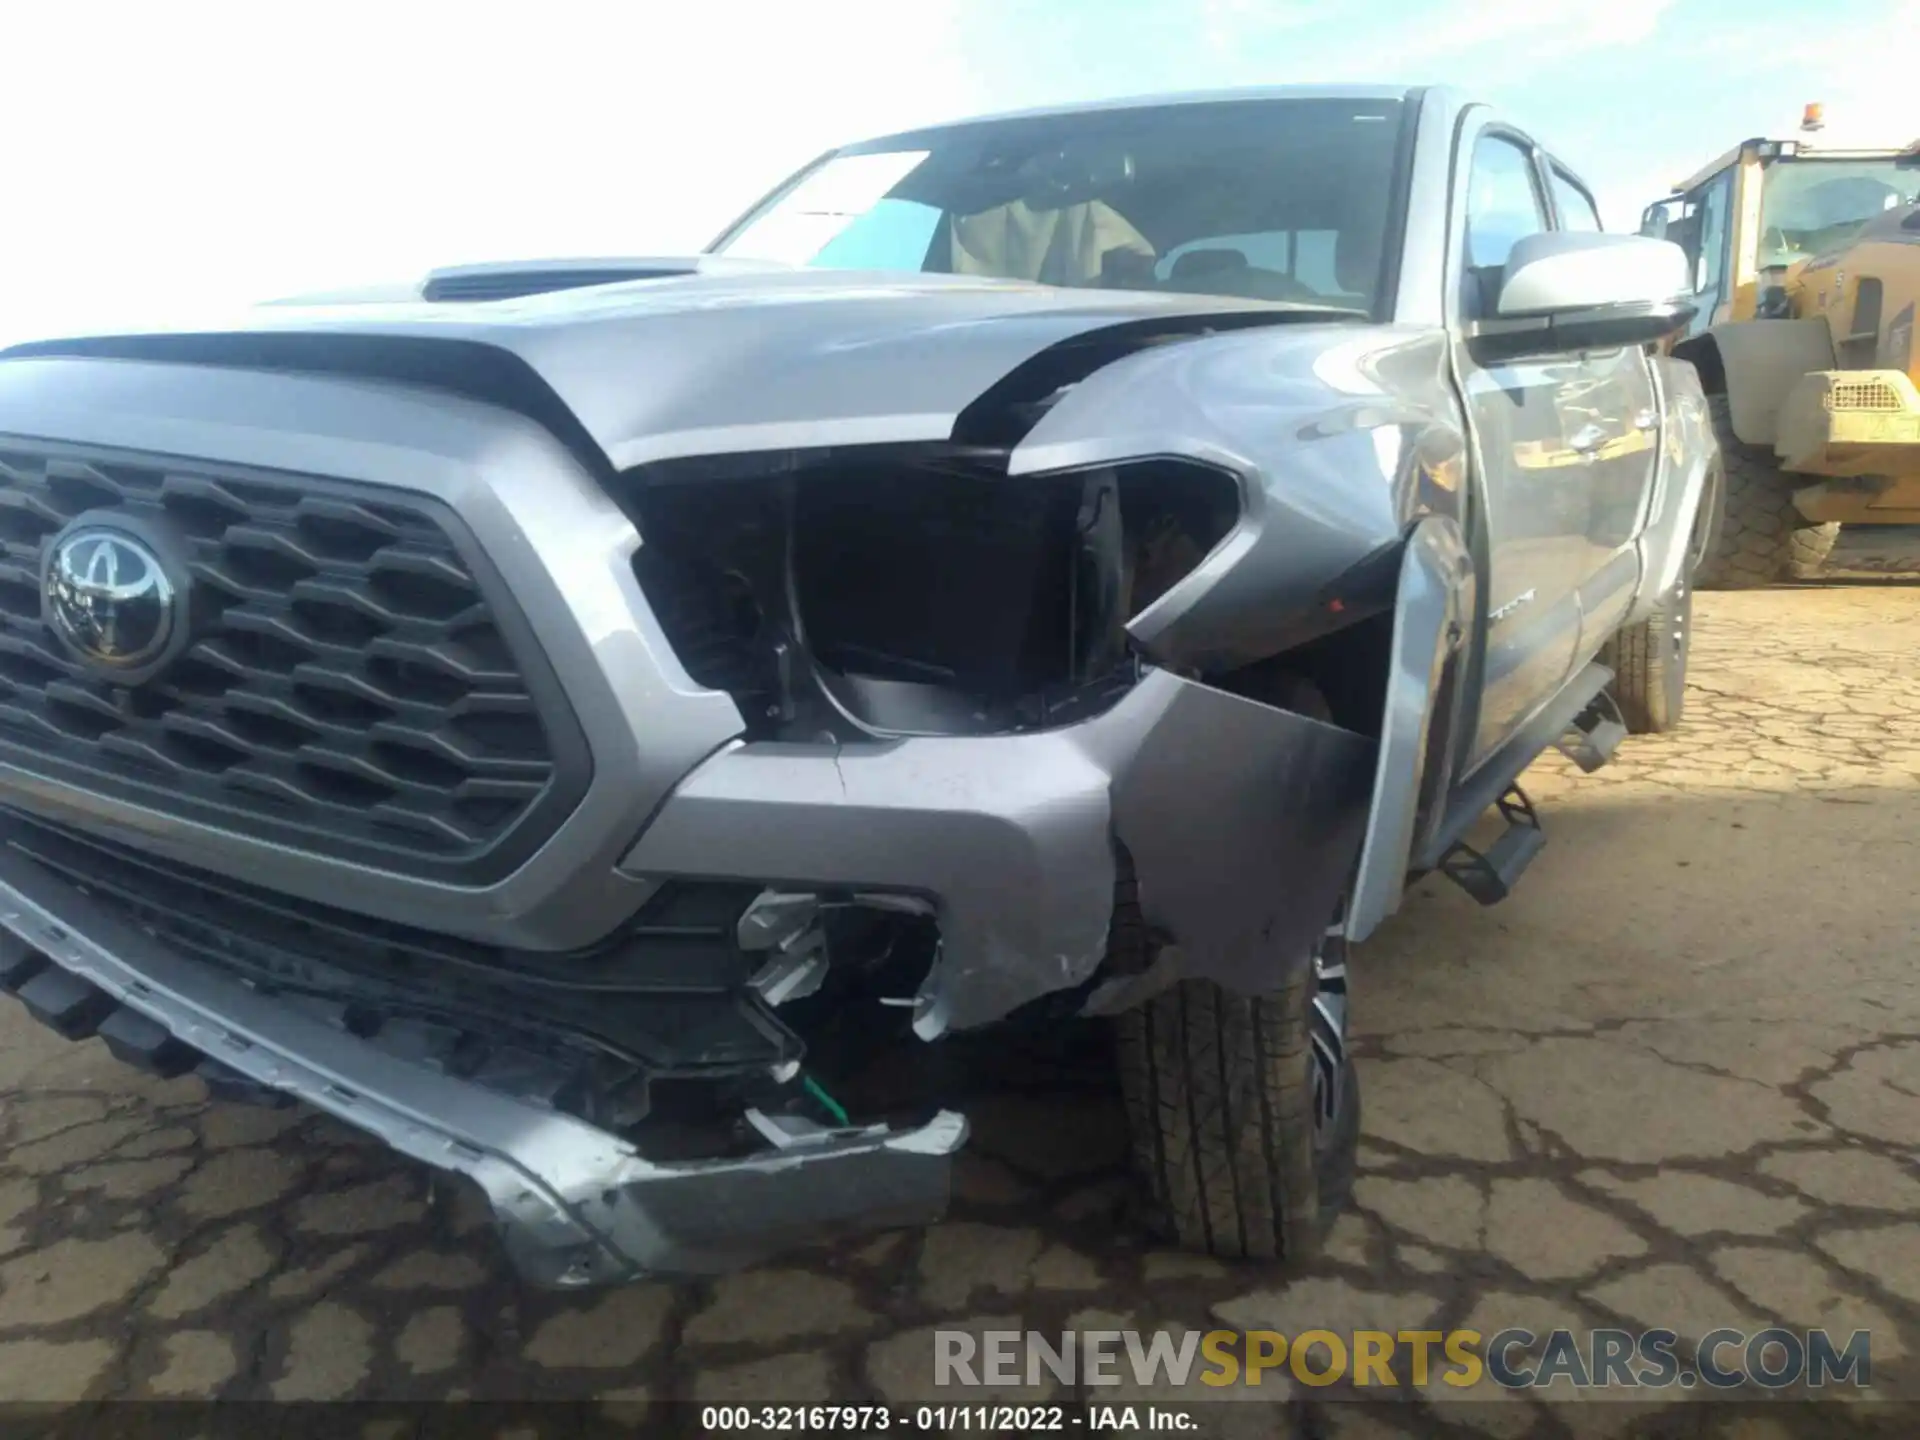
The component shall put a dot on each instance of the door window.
(1697, 223)
(1504, 206)
(1710, 264)
(1503, 201)
(1576, 207)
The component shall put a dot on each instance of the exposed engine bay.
(866, 594)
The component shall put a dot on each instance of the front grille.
(1863, 395)
(357, 685)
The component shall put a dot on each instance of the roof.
(1145, 102)
(1800, 148)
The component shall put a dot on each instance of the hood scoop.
(513, 279)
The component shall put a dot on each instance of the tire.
(1244, 1111)
(1649, 664)
(1762, 538)
(1649, 660)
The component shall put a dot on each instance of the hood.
(716, 363)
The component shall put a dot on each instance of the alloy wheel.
(1328, 1032)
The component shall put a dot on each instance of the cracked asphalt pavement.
(1674, 1081)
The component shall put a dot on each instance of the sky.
(167, 161)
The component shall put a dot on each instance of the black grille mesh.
(348, 690)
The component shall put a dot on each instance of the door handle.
(1587, 439)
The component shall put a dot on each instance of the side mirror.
(1580, 291)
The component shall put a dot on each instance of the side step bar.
(1490, 875)
(1498, 772)
(1596, 732)
(1585, 725)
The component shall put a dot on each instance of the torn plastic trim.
(1243, 821)
(1434, 599)
(576, 1206)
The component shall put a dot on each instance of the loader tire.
(1763, 538)
(1241, 1150)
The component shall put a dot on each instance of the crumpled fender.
(1435, 603)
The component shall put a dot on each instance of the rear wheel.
(1763, 537)
(1649, 664)
(1649, 660)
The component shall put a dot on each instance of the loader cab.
(1767, 205)
(1699, 219)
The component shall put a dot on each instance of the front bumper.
(575, 1205)
(1241, 823)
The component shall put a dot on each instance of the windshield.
(1810, 206)
(1285, 200)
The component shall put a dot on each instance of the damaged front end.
(964, 735)
(943, 698)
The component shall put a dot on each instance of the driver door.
(1526, 419)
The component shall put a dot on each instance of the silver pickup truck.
(570, 720)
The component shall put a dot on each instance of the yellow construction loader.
(1806, 268)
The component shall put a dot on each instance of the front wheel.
(1245, 1110)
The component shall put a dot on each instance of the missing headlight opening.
(857, 594)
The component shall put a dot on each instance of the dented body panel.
(1340, 438)
(1687, 456)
